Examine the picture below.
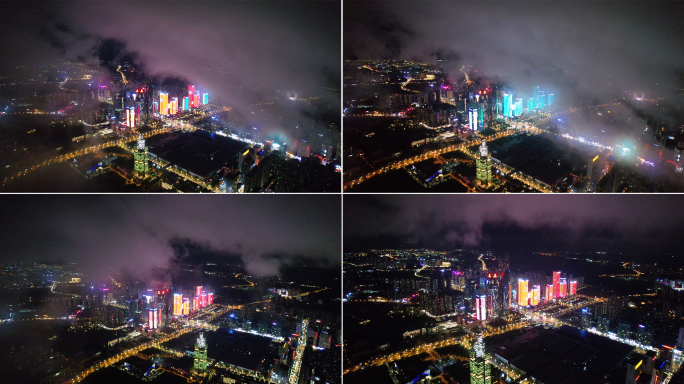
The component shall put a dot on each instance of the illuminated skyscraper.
(550, 99)
(472, 119)
(535, 96)
(542, 99)
(173, 106)
(186, 305)
(522, 292)
(480, 370)
(200, 363)
(191, 96)
(518, 107)
(130, 117)
(186, 103)
(507, 105)
(483, 166)
(530, 104)
(198, 290)
(151, 314)
(197, 99)
(563, 287)
(177, 304)
(210, 297)
(556, 284)
(205, 98)
(480, 116)
(573, 287)
(163, 103)
(481, 307)
(549, 292)
(534, 295)
(141, 166)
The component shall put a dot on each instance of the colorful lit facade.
(535, 96)
(130, 117)
(472, 119)
(480, 368)
(177, 304)
(556, 282)
(534, 295)
(205, 98)
(483, 166)
(197, 99)
(186, 104)
(522, 292)
(191, 95)
(186, 305)
(200, 362)
(518, 107)
(481, 307)
(549, 292)
(563, 287)
(140, 158)
(573, 287)
(507, 105)
(173, 106)
(163, 103)
(550, 95)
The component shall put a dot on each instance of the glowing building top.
(479, 346)
(483, 148)
(141, 141)
(201, 341)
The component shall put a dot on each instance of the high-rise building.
(140, 157)
(173, 106)
(507, 105)
(186, 103)
(530, 104)
(535, 96)
(130, 117)
(205, 98)
(563, 287)
(481, 307)
(191, 96)
(186, 305)
(472, 119)
(177, 304)
(200, 363)
(534, 295)
(483, 165)
(549, 292)
(518, 107)
(163, 103)
(197, 99)
(556, 284)
(542, 99)
(151, 318)
(480, 369)
(680, 339)
(480, 116)
(550, 95)
(210, 298)
(573, 287)
(522, 292)
(198, 290)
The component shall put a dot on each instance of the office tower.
(522, 292)
(472, 119)
(480, 116)
(549, 292)
(534, 295)
(140, 157)
(550, 95)
(480, 370)
(518, 107)
(200, 363)
(191, 95)
(563, 287)
(542, 99)
(130, 117)
(535, 96)
(151, 323)
(174, 106)
(483, 165)
(507, 105)
(177, 304)
(163, 103)
(480, 307)
(556, 284)
(573, 287)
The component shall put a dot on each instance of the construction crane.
(123, 77)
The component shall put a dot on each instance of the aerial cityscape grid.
(120, 96)
(170, 289)
(513, 96)
(513, 289)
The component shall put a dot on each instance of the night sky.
(133, 232)
(585, 52)
(219, 46)
(639, 224)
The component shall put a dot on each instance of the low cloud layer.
(525, 222)
(138, 232)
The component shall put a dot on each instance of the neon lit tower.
(507, 105)
(480, 116)
(542, 99)
(205, 98)
(522, 292)
(200, 363)
(141, 166)
(550, 99)
(518, 107)
(480, 370)
(191, 95)
(163, 103)
(472, 119)
(534, 295)
(177, 304)
(556, 284)
(573, 287)
(535, 96)
(483, 165)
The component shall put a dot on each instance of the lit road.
(301, 345)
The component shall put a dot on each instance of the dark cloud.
(621, 223)
(137, 232)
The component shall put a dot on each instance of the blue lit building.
(507, 105)
(518, 107)
(550, 99)
(535, 96)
